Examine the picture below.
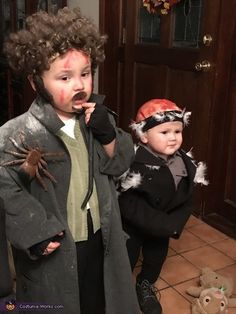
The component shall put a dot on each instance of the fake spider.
(32, 160)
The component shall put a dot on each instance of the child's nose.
(78, 84)
(172, 136)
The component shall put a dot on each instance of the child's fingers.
(52, 246)
(87, 117)
(88, 105)
(89, 109)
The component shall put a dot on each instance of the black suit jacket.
(154, 206)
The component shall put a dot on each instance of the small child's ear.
(143, 138)
(30, 79)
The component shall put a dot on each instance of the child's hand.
(89, 108)
(54, 244)
(86, 108)
(48, 246)
(100, 124)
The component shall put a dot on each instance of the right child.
(156, 192)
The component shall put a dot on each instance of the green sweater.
(77, 217)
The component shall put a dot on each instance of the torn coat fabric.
(148, 197)
(34, 215)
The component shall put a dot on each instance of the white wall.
(90, 8)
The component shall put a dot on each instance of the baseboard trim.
(221, 223)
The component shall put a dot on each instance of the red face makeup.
(69, 81)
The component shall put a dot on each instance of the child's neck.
(157, 154)
(64, 116)
(69, 126)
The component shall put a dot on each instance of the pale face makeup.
(69, 80)
(165, 138)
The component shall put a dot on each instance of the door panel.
(157, 58)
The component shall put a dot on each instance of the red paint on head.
(83, 55)
(154, 106)
(68, 59)
(72, 54)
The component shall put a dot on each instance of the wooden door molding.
(220, 205)
(111, 75)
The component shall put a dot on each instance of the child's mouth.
(77, 98)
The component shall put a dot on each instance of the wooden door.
(220, 201)
(184, 56)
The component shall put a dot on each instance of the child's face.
(165, 138)
(68, 75)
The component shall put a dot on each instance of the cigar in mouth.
(79, 96)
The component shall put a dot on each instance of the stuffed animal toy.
(211, 279)
(210, 301)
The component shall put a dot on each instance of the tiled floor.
(199, 246)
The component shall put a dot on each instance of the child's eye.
(164, 132)
(65, 78)
(178, 131)
(85, 74)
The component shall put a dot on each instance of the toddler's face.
(165, 138)
(69, 75)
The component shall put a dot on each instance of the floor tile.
(182, 288)
(161, 284)
(199, 246)
(187, 241)
(227, 246)
(176, 269)
(208, 256)
(230, 271)
(171, 252)
(207, 233)
(173, 303)
(193, 221)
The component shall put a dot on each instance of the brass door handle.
(204, 66)
(207, 40)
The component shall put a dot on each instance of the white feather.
(136, 148)
(153, 167)
(159, 117)
(132, 180)
(200, 174)
(190, 153)
(138, 128)
(186, 118)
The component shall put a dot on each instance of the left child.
(6, 282)
(57, 165)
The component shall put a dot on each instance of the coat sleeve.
(136, 211)
(124, 154)
(6, 283)
(27, 222)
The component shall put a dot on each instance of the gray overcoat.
(34, 215)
